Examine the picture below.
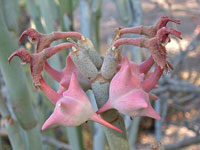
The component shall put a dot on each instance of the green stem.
(99, 139)
(12, 127)
(123, 8)
(96, 16)
(15, 80)
(49, 13)
(75, 139)
(90, 14)
(133, 133)
(66, 10)
(10, 15)
(33, 142)
(35, 14)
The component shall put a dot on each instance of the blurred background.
(23, 110)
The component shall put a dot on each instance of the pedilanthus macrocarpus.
(143, 70)
(72, 106)
(129, 82)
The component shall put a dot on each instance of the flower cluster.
(130, 83)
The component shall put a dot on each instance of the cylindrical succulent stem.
(35, 14)
(33, 142)
(124, 10)
(11, 126)
(15, 80)
(66, 10)
(10, 15)
(14, 76)
(95, 18)
(74, 135)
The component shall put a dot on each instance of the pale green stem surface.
(75, 138)
(35, 14)
(85, 18)
(96, 16)
(124, 10)
(90, 14)
(49, 13)
(15, 80)
(99, 139)
(133, 132)
(66, 11)
(33, 142)
(11, 126)
(10, 15)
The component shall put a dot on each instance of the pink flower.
(128, 95)
(64, 76)
(74, 108)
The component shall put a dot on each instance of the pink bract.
(127, 94)
(74, 108)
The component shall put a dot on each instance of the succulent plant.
(117, 83)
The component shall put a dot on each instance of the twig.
(185, 98)
(192, 46)
(183, 143)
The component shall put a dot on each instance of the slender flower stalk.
(156, 45)
(12, 126)
(149, 31)
(44, 40)
(37, 61)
